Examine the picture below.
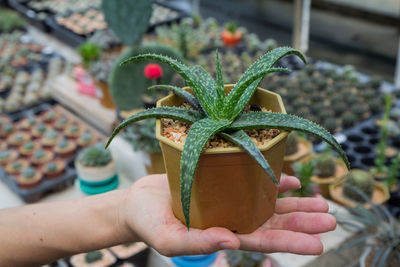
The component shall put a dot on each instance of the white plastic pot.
(96, 174)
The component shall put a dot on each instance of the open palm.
(148, 213)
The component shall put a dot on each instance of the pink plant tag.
(85, 83)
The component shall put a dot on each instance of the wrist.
(124, 232)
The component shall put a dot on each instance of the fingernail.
(226, 245)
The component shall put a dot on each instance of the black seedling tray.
(74, 39)
(31, 14)
(139, 259)
(47, 185)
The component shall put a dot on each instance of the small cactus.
(330, 124)
(325, 165)
(361, 180)
(348, 119)
(94, 156)
(93, 256)
(291, 144)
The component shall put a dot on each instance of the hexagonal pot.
(230, 189)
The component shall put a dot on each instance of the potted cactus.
(343, 191)
(327, 170)
(231, 35)
(238, 258)
(215, 111)
(89, 52)
(96, 170)
(297, 148)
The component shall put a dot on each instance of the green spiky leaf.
(188, 97)
(182, 114)
(197, 137)
(262, 120)
(242, 140)
(259, 69)
(193, 76)
(220, 83)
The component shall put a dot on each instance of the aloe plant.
(215, 112)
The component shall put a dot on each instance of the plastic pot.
(105, 97)
(230, 189)
(154, 163)
(97, 180)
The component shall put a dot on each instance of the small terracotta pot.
(230, 189)
(155, 163)
(325, 182)
(305, 148)
(105, 99)
(379, 196)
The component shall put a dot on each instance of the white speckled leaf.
(197, 137)
(194, 76)
(241, 139)
(257, 70)
(182, 114)
(220, 84)
(264, 120)
(188, 97)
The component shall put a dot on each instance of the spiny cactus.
(128, 19)
(125, 95)
(361, 180)
(348, 119)
(330, 124)
(325, 165)
(89, 53)
(292, 144)
(94, 156)
(222, 114)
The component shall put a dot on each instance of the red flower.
(153, 71)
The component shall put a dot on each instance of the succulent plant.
(129, 20)
(94, 156)
(348, 119)
(93, 256)
(325, 165)
(142, 136)
(126, 96)
(28, 172)
(292, 144)
(304, 171)
(89, 52)
(51, 167)
(359, 110)
(339, 108)
(39, 154)
(382, 144)
(222, 114)
(4, 154)
(240, 258)
(360, 179)
(330, 124)
(10, 20)
(375, 105)
(377, 232)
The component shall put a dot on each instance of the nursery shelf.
(89, 108)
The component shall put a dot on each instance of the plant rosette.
(93, 259)
(29, 148)
(222, 186)
(7, 156)
(304, 148)
(325, 182)
(41, 156)
(15, 167)
(29, 178)
(379, 196)
(53, 169)
(18, 138)
(96, 180)
(230, 35)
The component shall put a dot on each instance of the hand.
(147, 212)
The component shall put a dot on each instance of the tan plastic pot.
(105, 99)
(229, 190)
(155, 163)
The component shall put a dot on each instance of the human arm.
(36, 234)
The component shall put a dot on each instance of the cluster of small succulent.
(62, 6)
(142, 137)
(361, 180)
(16, 53)
(241, 258)
(26, 88)
(292, 144)
(94, 156)
(332, 99)
(83, 22)
(10, 20)
(325, 165)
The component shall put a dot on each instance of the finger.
(270, 241)
(310, 223)
(180, 241)
(288, 183)
(305, 204)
